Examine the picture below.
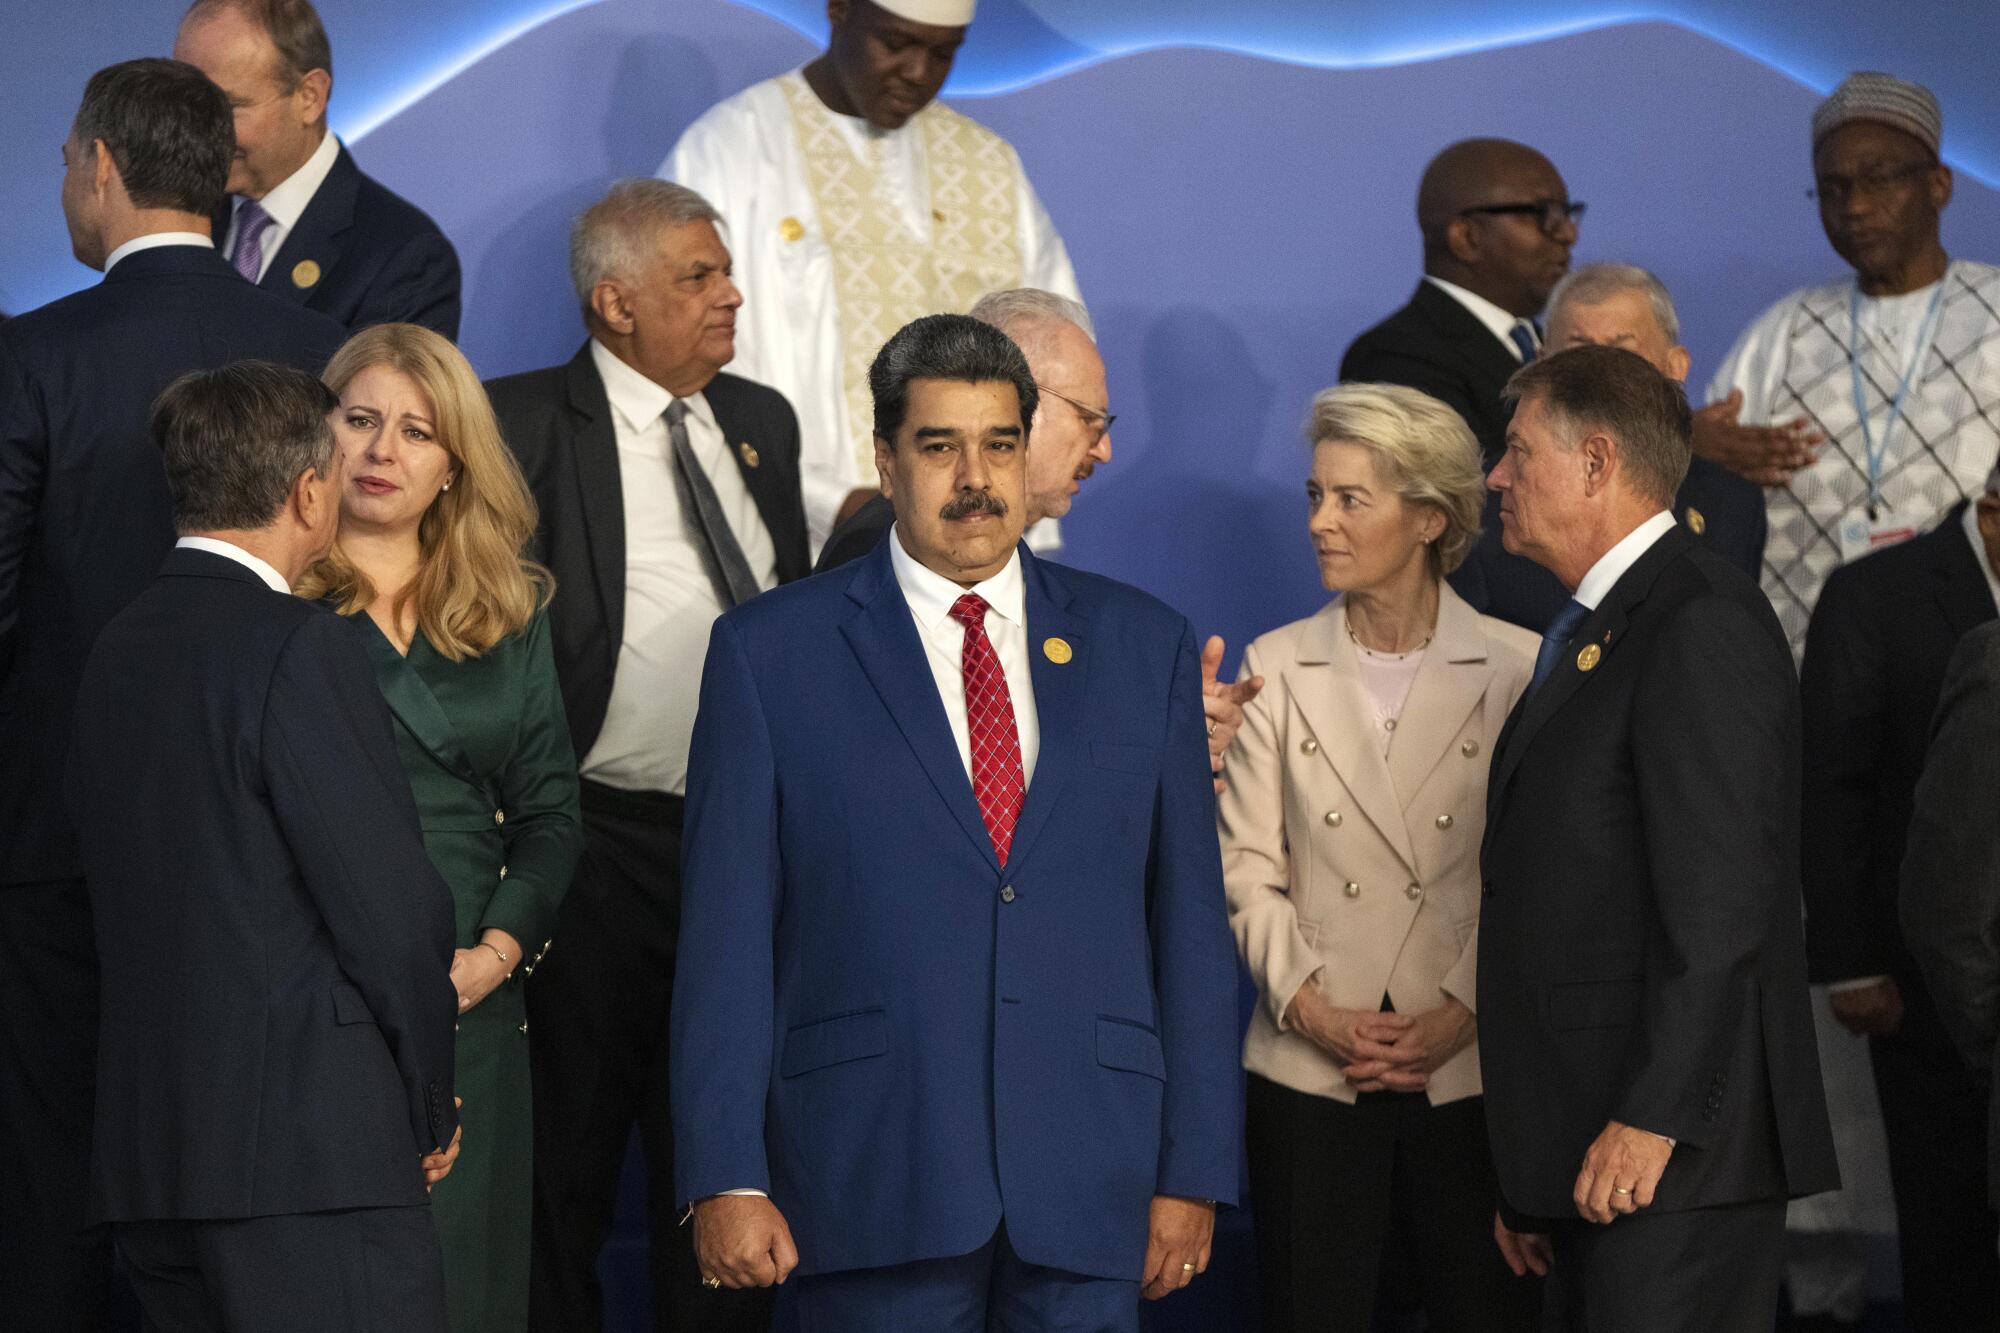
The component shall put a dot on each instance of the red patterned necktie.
(989, 717)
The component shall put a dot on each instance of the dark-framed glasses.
(1096, 420)
(1867, 184)
(1549, 214)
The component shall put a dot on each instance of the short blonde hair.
(475, 586)
(1423, 450)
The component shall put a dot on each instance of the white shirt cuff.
(1854, 983)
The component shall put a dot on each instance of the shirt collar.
(1501, 322)
(272, 578)
(286, 203)
(931, 595)
(1971, 523)
(153, 242)
(638, 400)
(1611, 566)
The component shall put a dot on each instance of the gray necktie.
(707, 526)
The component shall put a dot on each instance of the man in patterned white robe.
(855, 203)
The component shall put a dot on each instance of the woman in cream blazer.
(1351, 818)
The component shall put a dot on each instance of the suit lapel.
(884, 639)
(1962, 592)
(1494, 362)
(761, 481)
(1060, 692)
(594, 455)
(1449, 685)
(327, 215)
(1325, 682)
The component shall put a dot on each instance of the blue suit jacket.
(900, 1040)
(380, 258)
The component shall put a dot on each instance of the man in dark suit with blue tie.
(1653, 1092)
(307, 223)
(954, 1040)
(275, 1064)
(84, 521)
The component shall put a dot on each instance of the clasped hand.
(1382, 1051)
(477, 972)
(742, 1240)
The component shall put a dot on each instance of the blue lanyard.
(1926, 335)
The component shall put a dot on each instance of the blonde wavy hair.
(474, 586)
(1424, 452)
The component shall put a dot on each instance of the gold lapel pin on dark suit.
(1056, 650)
(748, 452)
(305, 273)
(1588, 659)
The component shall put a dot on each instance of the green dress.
(488, 754)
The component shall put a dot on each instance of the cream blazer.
(1335, 859)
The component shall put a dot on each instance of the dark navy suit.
(903, 1042)
(84, 523)
(375, 258)
(275, 945)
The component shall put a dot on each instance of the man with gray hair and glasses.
(668, 493)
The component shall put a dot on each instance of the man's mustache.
(974, 502)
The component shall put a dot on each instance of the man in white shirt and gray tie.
(669, 492)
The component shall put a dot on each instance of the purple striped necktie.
(251, 222)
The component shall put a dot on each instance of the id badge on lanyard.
(1879, 525)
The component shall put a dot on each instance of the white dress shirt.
(930, 597)
(670, 603)
(286, 203)
(262, 569)
(153, 242)
(1501, 322)
(1611, 566)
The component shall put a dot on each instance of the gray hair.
(1019, 307)
(1594, 284)
(611, 237)
(1423, 450)
(235, 440)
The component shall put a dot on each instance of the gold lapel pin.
(791, 229)
(1588, 659)
(305, 273)
(1697, 524)
(1057, 650)
(748, 453)
(937, 215)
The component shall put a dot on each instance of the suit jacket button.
(499, 816)
(503, 872)
(1444, 821)
(1352, 890)
(1469, 749)
(1006, 893)
(1309, 747)
(1333, 819)
(1414, 892)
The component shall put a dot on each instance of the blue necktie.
(1523, 334)
(1556, 639)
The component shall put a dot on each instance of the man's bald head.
(1511, 258)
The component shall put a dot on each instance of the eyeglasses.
(1549, 214)
(1097, 421)
(1868, 185)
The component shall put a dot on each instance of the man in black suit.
(669, 492)
(1881, 635)
(306, 222)
(275, 1065)
(84, 521)
(1951, 880)
(1644, 1025)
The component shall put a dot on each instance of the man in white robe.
(855, 202)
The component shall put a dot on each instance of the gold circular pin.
(1697, 523)
(1056, 650)
(1588, 659)
(791, 229)
(305, 273)
(748, 452)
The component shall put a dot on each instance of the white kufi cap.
(938, 13)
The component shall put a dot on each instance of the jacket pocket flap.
(831, 1041)
(348, 1006)
(1595, 1004)
(1125, 1045)
(1141, 759)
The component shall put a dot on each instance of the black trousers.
(1338, 1191)
(55, 1272)
(1706, 1270)
(1934, 1112)
(598, 1011)
(362, 1268)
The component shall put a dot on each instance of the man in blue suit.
(954, 1031)
(84, 523)
(307, 224)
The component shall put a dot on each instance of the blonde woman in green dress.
(429, 567)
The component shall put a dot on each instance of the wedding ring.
(1187, 1268)
(1211, 728)
(1620, 1189)
(712, 1283)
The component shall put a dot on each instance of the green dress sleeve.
(538, 790)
